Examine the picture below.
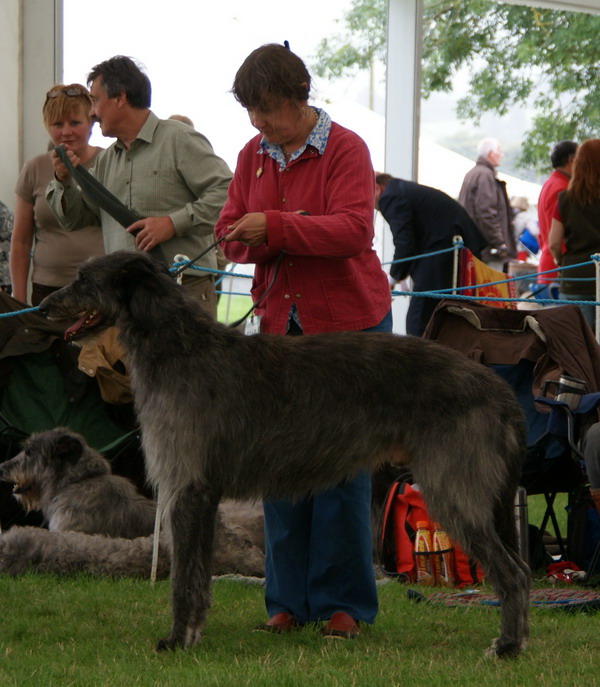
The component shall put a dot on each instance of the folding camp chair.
(528, 348)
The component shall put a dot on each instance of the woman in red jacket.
(300, 206)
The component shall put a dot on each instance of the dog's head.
(104, 289)
(44, 457)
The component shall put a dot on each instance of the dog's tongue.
(88, 320)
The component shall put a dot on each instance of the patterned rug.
(580, 600)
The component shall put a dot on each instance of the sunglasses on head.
(71, 91)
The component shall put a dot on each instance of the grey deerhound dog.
(98, 522)
(223, 414)
(59, 474)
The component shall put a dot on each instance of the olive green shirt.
(169, 170)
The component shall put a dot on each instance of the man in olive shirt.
(163, 169)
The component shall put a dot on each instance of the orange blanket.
(474, 272)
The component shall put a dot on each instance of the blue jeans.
(318, 552)
(589, 311)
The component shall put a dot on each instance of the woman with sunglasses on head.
(38, 239)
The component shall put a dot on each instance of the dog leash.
(189, 262)
(106, 200)
(254, 305)
(265, 293)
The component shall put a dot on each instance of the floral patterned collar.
(317, 139)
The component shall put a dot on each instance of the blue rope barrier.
(199, 268)
(496, 299)
(452, 292)
(523, 276)
(19, 312)
(425, 255)
(530, 275)
(233, 293)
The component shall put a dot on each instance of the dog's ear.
(69, 448)
(143, 282)
(141, 272)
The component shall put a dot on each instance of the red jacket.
(553, 185)
(330, 269)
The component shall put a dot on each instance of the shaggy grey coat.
(223, 414)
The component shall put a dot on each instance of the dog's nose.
(43, 307)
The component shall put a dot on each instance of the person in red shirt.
(300, 207)
(561, 157)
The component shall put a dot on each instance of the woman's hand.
(251, 229)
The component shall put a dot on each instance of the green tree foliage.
(514, 55)
(363, 40)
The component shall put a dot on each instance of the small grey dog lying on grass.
(99, 522)
(73, 485)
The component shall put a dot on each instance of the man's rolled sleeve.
(67, 195)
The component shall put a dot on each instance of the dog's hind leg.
(511, 583)
(191, 516)
(478, 513)
(508, 575)
(513, 592)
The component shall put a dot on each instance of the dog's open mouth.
(20, 488)
(80, 328)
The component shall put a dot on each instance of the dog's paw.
(174, 641)
(168, 644)
(503, 649)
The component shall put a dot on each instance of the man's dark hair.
(382, 178)
(121, 74)
(268, 76)
(562, 152)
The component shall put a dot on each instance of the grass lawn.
(87, 632)
(232, 308)
(90, 632)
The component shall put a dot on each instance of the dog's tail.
(67, 553)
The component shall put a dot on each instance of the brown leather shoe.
(280, 622)
(341, 626)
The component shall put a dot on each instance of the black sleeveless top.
(582, 239)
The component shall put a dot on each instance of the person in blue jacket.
(423, 220)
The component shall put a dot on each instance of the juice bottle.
(443, 558)
(423, 554)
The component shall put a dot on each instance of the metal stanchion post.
(156, 544)
(457, 242)
(522, 522)
(596, 259)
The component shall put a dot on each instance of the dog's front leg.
(192, 526)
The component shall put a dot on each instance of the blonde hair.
(62, 100)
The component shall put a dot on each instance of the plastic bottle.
(443, 558)
(423, 554)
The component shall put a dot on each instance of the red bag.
(403, 508)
